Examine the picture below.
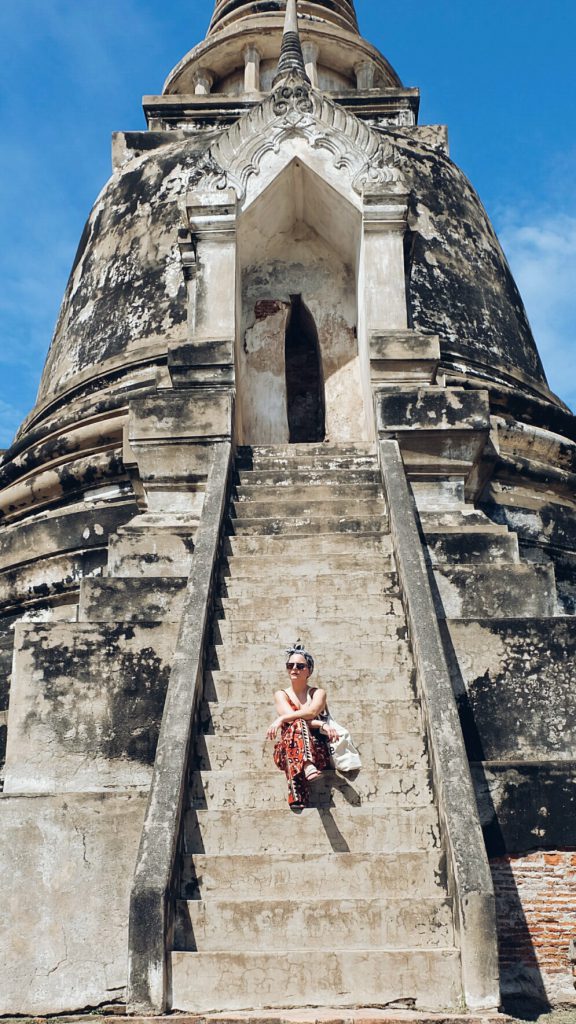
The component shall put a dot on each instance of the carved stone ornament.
(296, 109)
(208, 173)
(292, 97)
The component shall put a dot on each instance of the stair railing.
(152, 896)
(467, 862)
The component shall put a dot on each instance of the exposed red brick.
(268, 307)
(536, 911)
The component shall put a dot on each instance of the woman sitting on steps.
(302, 752)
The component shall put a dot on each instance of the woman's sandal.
(311, 772)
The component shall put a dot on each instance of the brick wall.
(536, 908)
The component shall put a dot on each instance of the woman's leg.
(309, 760)
(298, 791)
(300, 756)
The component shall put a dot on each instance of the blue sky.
(498, 72)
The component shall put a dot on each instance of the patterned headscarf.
(298, 648)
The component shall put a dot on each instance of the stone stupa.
(292, 392)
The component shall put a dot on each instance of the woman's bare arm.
(287, 714)
(281, 703)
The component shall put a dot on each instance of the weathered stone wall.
(544, 521)
(43, 559)
(6, 645)
(126, 289)
(86, 705)
(526, 804)
(126, 292)
(65, 899)
(516, 695)
(460, 286)
(516, 687)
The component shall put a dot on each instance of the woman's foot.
(311, 772)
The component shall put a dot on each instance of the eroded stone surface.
(65, 912)
(526, 667)
(85, 706)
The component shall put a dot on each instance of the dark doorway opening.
(304, 380)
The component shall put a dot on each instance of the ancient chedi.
(292, 392)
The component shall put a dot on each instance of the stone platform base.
(565, 1014)
(368, 1015)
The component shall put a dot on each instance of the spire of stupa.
(291, 57)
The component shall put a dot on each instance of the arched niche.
(305, 397)
(298, 237)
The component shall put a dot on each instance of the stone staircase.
(478, 569)
(344, 903)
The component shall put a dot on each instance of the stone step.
(150, 554)
(343, 875)
(392, 1014)
(310, 525)
(337, 629)
(174, 521)
(330, 657)
(286, 506)
(276, 568)
(474, 548)
(355, 585)
(391, 718)
(393, 681)
(256, 607)
(243, 980)
(256, 616)
(219, 924)
(296, 493)
(323, 476)
(459, 521)
(267, 789)
(308, 566)
(346, 829)
(297, 450)
(477, 591)
(132, 600)
(254, 752)
(308, 463)
(322, 544)
(345, 456)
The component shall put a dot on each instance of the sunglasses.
(298, 665)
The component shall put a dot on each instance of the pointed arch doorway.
(305, 403)
(299, 373)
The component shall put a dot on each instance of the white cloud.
(541, 249)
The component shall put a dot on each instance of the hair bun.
(298, 648)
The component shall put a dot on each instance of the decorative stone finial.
(291, 57)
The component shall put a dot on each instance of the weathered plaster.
(68, 863)
(85, 706)
(515, 680)
(286, 245)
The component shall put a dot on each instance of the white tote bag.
(343, 753)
